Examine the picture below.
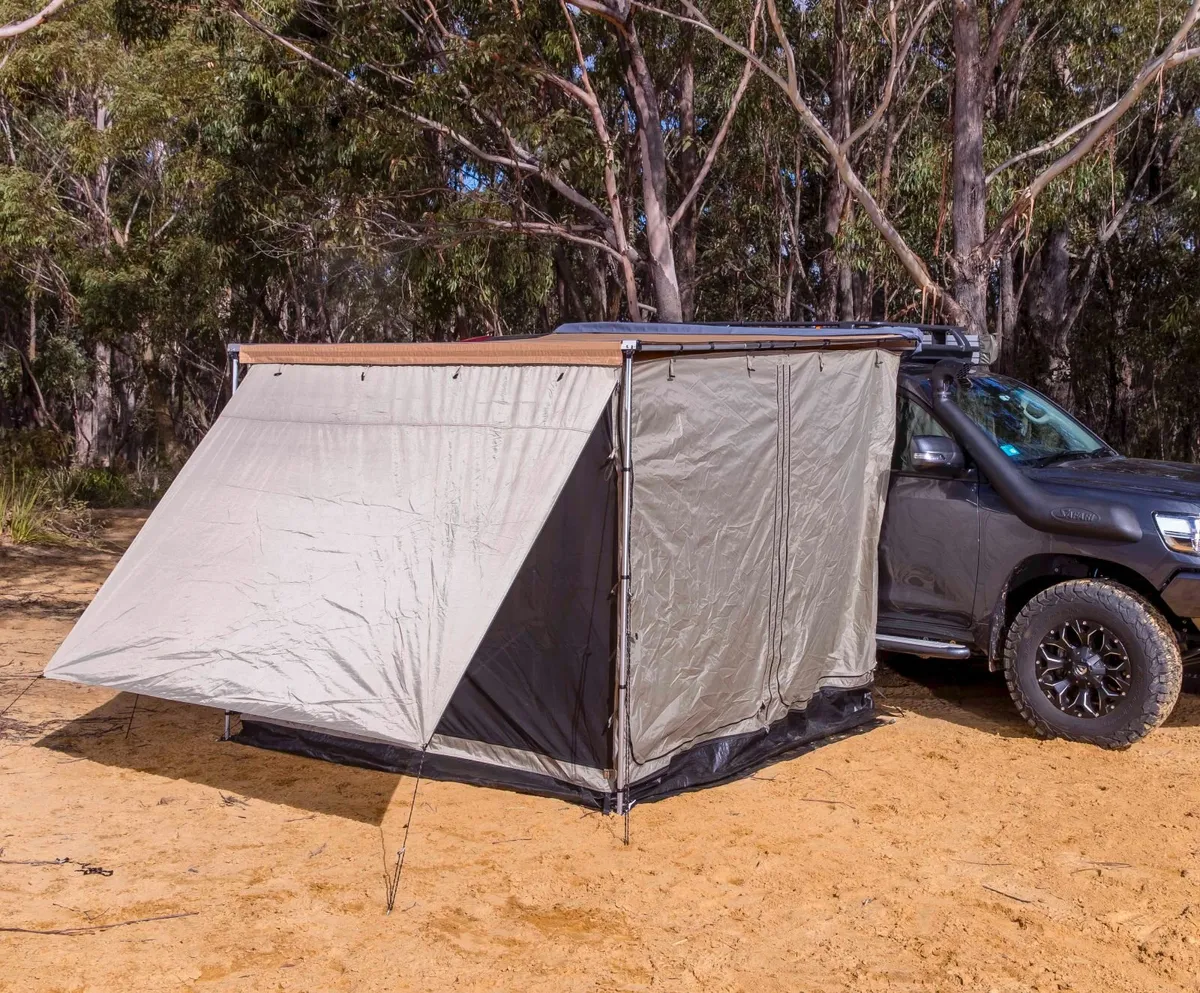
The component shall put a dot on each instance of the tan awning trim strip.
(538, 351)
(580, 350)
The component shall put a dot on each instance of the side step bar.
(921, 646)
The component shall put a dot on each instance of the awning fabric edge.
(523, 352)
(559, 350)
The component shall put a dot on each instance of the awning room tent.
(607, 564)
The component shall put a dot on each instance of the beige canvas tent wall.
(609, 564)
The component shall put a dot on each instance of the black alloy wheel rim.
(1083, 669)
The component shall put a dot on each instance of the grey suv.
(1014, 533)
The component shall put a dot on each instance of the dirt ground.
(948, 848)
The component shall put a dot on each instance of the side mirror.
(935, 451)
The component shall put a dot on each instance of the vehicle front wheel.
(1090, 660)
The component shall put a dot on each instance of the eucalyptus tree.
(1127, 50)
(575, 122)
(101, 175)
(176, 175)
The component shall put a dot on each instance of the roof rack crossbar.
(799, 345)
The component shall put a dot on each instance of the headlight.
(1180, 533)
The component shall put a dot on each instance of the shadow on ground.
(966, 693)
(963, 693)
(181, 741)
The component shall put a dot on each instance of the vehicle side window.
(912, 419)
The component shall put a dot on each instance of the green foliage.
(31, 450)
(93, 486)
(172, 180)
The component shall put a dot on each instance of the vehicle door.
(929, 547)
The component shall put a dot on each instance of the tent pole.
(623, 633)
(234, 355)
(235, 362)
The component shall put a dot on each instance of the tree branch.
(235, 8)
(31, 22)
(1047, 145)
(900, 52)
(1179, 58)
(1173, 55)
(527, 163)
(587, 96)
(723, 130)
(999, 35)
(909, 259)
(540, 228)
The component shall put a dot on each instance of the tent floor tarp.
(830, 716)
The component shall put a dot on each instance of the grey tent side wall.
(755, 577)
(533, 709)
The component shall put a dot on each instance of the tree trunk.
(94, 414)
(689, 166)
(127, 435)
(661, 255)
(1006, 307)
(1049, 309)
(836, 294)
(571, 306)
(970, 192)
(31, 345)
(598, 268)
(166, 441)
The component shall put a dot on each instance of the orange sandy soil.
(948, 848)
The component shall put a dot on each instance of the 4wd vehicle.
(1014, 533)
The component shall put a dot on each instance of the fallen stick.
(1019, 899)
(92, 928)
(85, 867)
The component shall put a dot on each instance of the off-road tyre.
(1150, 643)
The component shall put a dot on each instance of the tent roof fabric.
(600, 345)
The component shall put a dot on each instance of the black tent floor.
(831, 715)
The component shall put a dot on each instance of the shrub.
(25, 511)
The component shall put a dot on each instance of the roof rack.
(938, 341)
(944, 343)
(845, 325)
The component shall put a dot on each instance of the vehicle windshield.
(1027, 427)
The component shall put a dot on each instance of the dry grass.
(36, 510)
(26, 515)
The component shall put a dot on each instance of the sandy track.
(946, 849)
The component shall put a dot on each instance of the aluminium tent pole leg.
(626, 593)
(235, 367)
